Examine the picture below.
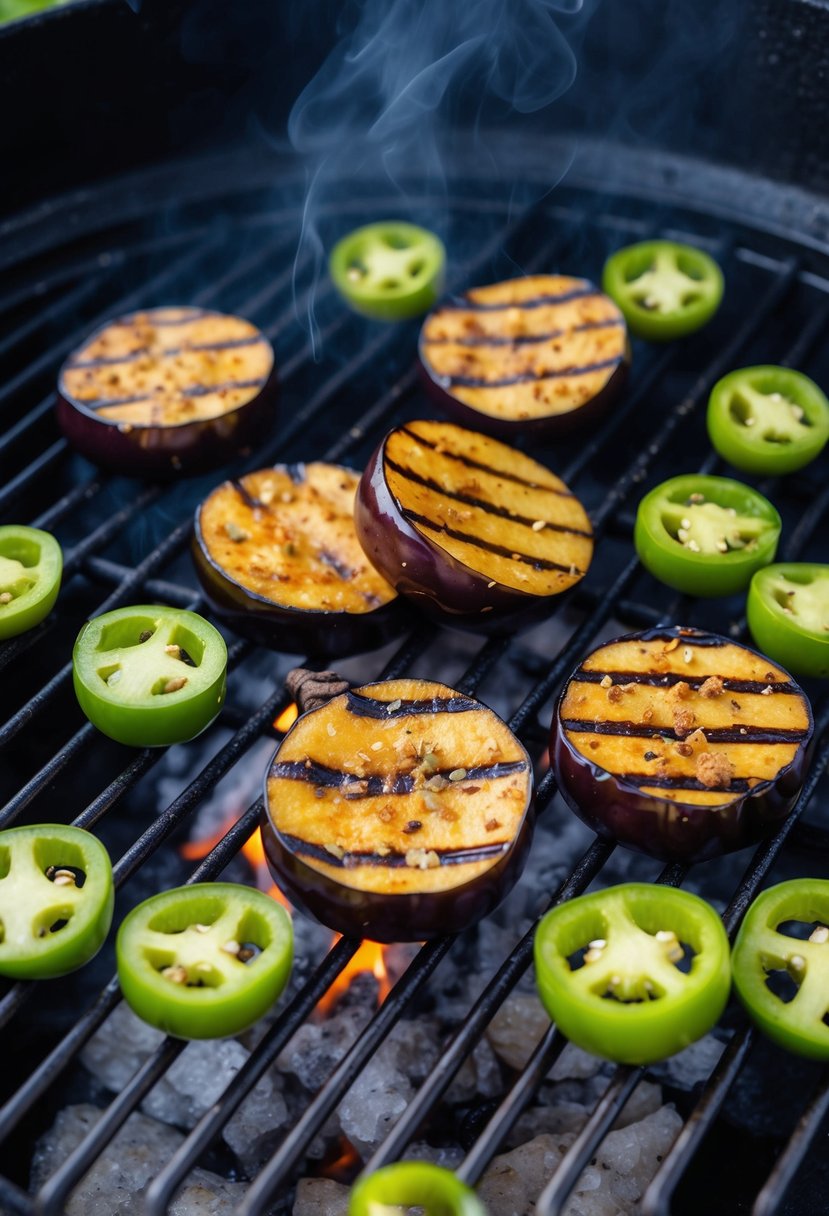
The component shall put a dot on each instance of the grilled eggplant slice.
(468, 528)
(279, 560)
(681, 744)
(542, 354)
(168, 391)
(399, 811)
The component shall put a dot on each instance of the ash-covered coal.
(116, 1183)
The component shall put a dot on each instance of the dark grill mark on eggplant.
(297, 473)
(192, 314)
(538, 563)
(330, 560)
(523, 339)
(448, 857)
(482, 504)
(195, 390)
(688, 637)
(587, 292)
(718, 734)
(160, 355)
(669, 678)
(246, 497)
(378, 783)
(735, 786)
(368, 707)
(468, 463)
(531, 377)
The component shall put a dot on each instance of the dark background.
(94, 89)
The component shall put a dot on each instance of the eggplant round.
(473, 532)
(168, 391)
(681, 744)
(399, 811)
(280, 563)
(539, 355)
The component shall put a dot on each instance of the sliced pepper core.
(772, 417)
(147, 657)
(666, 287)
(807, 602)
(706, 527)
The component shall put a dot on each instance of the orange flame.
(371, 956)
(253, 850)
(284, 721)
(344, 1165)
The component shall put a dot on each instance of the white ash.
(565, 1113)
(516, 1030)
(320, 1197)
(478, 1077)
(192, 1084)
(115, 1184)
(374, 1103)
(612, 1184)
(317, 1047)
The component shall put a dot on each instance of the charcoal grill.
(179, 233)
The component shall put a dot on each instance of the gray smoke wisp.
(394, 92)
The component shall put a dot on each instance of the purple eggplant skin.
(394, 918)
(325, 634)
(167, 452)
(435, 582)
(667, 830)
(553, 426)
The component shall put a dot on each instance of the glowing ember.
(344, 1165)
(252, 850)
(286, 719)
(371, 956)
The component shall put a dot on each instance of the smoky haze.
(386, 105)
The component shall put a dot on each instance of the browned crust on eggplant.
(400, 788)
(488, 506)
(526, 349)
(286, 535)
(168, 367)
(687, 718)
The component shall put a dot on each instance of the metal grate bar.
(13, 1199)
(50, 1199)
(16, 485)
(514, 1103)
(657, 1198)
(113, 573)
(771, 1196)
(44, 776)
(554, 1196)
(169, 1178)
(479, 1016)
(66, 303)
(67, 503)
(256, 1200)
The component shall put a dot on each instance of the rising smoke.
(387, 104)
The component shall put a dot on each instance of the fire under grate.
(125, 542)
